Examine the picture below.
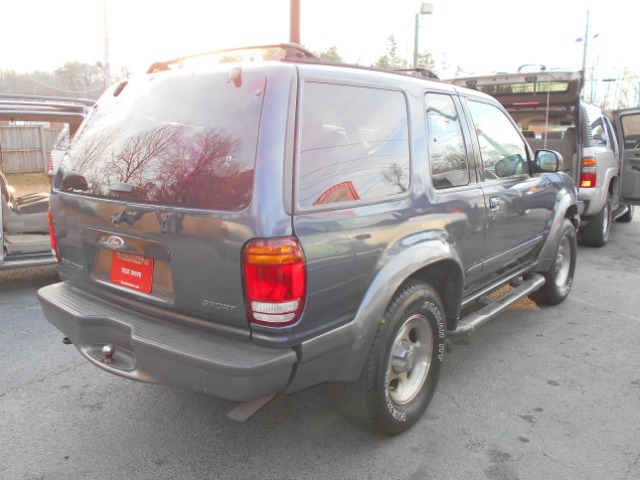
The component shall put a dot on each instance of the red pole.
(294, 22)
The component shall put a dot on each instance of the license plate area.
(132, 271)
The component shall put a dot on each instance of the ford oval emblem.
(115, 242)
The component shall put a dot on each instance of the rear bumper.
(154, 351)
(593, 199)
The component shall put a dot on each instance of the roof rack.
(45, 100)
(419, 71)
(541, 67)
(422, 73)
(289, 51)
(43, 108)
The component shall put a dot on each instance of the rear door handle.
(494, 203)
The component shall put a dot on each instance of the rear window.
(524, 87)
(177, 139)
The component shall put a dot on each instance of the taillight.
(275, 280)
(52, 236)
(588, 177)
(50, 163)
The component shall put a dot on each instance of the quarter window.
(447, 153)
(613, 136)
(599, 132)
(354, 145)
(502, 149)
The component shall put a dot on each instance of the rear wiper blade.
(168, 220)
(128, 217)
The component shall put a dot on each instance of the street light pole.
(415, 42)
(425, 9)
(584, 50)
(107, 70)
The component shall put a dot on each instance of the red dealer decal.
(132, 271)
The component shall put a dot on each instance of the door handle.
(494, 203)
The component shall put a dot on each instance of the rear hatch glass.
(543, 88)
(172, 139)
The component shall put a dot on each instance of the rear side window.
(602, 133)
(354, 145)
(447, 153)
(599, 133)
(176, 139)
(613, 136)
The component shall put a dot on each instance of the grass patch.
(28, 182)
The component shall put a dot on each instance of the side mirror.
(548, 161)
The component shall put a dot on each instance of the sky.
(479, 36)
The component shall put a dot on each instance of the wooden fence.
(26, 148)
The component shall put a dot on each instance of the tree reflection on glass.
(203, 174)
(396, 176)
(169, 165)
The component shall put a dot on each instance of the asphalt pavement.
(538, 393)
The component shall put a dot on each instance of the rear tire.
(596, 233)
(403, 366)
(559, 277)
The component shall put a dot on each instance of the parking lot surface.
(537, 393)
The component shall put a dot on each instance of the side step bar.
(27, 261)
(472, 322)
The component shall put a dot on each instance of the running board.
(23, 261)
(472, 322)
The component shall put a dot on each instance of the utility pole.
(294, 22)
(425, 9)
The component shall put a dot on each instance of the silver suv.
(245, 228)
(546, 106)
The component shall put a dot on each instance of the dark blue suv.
(253, 222)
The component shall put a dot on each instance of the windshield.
(177, 139)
